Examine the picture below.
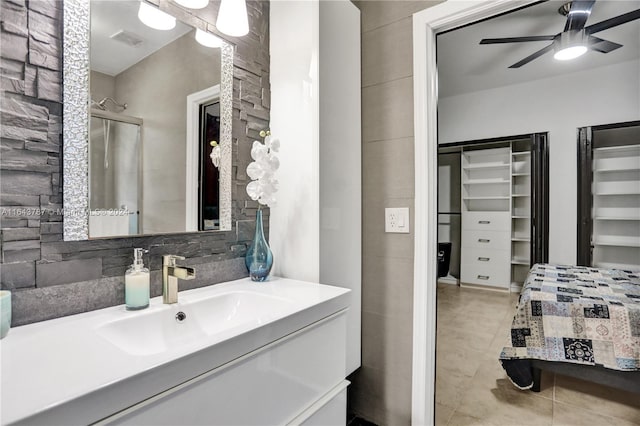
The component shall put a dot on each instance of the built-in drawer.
(485, 257)
(489, 221)
(491, 275)
(494, 240)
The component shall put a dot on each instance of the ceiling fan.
(575, 39)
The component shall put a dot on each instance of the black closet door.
(539, 198)
(585, 198)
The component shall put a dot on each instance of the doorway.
(427, 25)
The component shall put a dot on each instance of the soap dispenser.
(136, 283)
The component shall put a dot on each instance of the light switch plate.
(396, 220)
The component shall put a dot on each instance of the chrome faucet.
(170, 275)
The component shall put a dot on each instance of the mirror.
(159, 106)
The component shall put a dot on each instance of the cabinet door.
(270, 386)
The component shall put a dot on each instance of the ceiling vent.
(128, 38)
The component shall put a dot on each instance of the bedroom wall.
(556, 105)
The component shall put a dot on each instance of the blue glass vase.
(259, 259)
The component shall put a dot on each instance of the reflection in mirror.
(114, 174)
(148, 74)
(159, 98)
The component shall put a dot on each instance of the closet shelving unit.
(486, 197)
(615, 238)
(520, 212)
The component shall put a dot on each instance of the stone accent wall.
(50, 278)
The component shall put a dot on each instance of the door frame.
(192, 189)
(426, 24)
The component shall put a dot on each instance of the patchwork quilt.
(576, 314)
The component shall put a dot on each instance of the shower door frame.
(127, 119)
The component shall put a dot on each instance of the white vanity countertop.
(86, 363)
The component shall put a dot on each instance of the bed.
(578, 321)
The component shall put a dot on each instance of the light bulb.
(193, 4)
(155, 18)
(569, 53)
(207, 39)
(232, 18)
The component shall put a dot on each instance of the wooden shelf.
(610, 265)
(604, 194)
(520, 195)
(491, 197)
(520, 174)
(627, 168)
(517, 261)
(520, 217)
(486, 166)
(617, 241)
(485, 181)
(617, 148)
(517, 239)
(617, 218)
(521, 153)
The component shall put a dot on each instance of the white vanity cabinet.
(273, 385)
(244, 353)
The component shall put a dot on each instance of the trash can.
(444, 257)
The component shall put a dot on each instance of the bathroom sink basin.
(109, 357)
(191, 320)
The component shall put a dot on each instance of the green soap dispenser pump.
(136, 283)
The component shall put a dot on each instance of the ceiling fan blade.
(603, 46)
(532, 56)
(516, 39)
(578, 14)
(613, 22)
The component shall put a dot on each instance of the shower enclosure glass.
(114, 174)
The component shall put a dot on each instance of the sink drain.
(181, 316)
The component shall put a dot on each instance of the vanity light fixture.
(193, 4)
(232, 18)
(155, 18)
(207, 39)
(570, 45)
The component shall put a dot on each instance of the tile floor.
(472, 388)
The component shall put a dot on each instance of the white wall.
(315, 229)
(559, 106)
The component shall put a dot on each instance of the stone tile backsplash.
(52, 278)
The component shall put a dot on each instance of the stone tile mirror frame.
(76, 101)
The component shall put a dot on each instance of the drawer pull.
(483, 240)
(484, 222)
(483, 277)
(483, 259)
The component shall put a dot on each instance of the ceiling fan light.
(193, 4)
(570, 45)
(569, 53)
(232, 18)
(155, 18)
(207, 39)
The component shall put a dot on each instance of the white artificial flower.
(254, 190)
(258, 151)
(273, 144)
(255, 170)
(216, 155)
(264, 185)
